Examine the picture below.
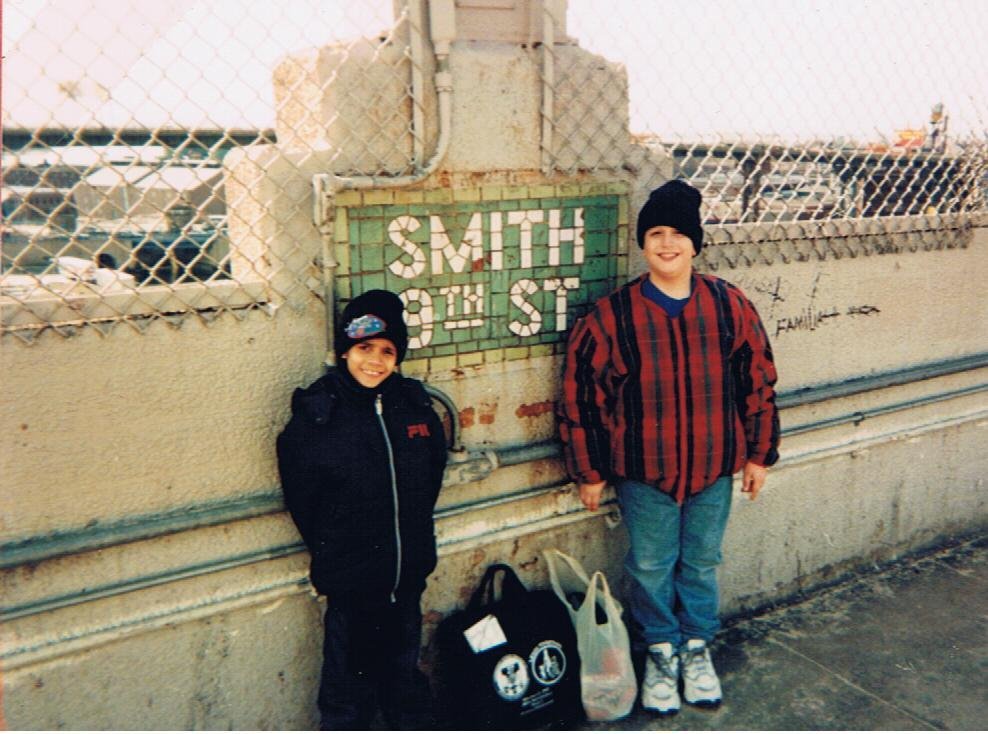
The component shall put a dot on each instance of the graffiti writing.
(772, 289)
(863, 310)
(810, 319)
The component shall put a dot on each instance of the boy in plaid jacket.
(668, 391)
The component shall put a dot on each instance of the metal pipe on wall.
(36, 549)
(442, 26)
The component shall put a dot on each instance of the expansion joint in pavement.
(850, 683)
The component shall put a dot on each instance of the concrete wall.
(151, 580)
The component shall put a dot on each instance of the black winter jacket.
(363, 498)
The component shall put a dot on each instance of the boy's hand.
(753, 479)
(590, 494)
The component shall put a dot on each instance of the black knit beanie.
(376, 314)
(674, 204)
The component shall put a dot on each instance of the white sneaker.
(660, 689)
(701, 687)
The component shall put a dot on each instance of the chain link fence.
(117, 119)
(824, 125)
(812, 129)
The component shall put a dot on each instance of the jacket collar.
(318, 401)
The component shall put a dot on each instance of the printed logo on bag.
(548, 662)
(511, 677)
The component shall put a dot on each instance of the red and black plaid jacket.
(673, 402)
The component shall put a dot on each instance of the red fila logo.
(418, 429)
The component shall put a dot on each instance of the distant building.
(142, 195)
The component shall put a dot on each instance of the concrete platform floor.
(905, 647)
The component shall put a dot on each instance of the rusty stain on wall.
(535, 409)
(487, 413)
(484, 415)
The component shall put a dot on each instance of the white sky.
(796, 69)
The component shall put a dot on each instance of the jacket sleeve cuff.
(764, 457)
(589, 477)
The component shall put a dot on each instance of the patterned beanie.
(376, 314)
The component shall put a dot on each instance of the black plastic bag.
(509, 662)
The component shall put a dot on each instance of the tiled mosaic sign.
(489, 273)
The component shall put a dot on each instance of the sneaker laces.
(663, 666)
(696, 663)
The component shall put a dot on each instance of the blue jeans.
(673, 560)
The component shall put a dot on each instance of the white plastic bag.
(607, 676)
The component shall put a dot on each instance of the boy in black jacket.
(361, 464)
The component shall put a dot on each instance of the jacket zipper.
(379, 407)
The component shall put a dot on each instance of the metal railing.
(794, 112)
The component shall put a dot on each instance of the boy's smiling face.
(669, 254)
(371, 361)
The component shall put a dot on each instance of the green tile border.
(360, 221)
